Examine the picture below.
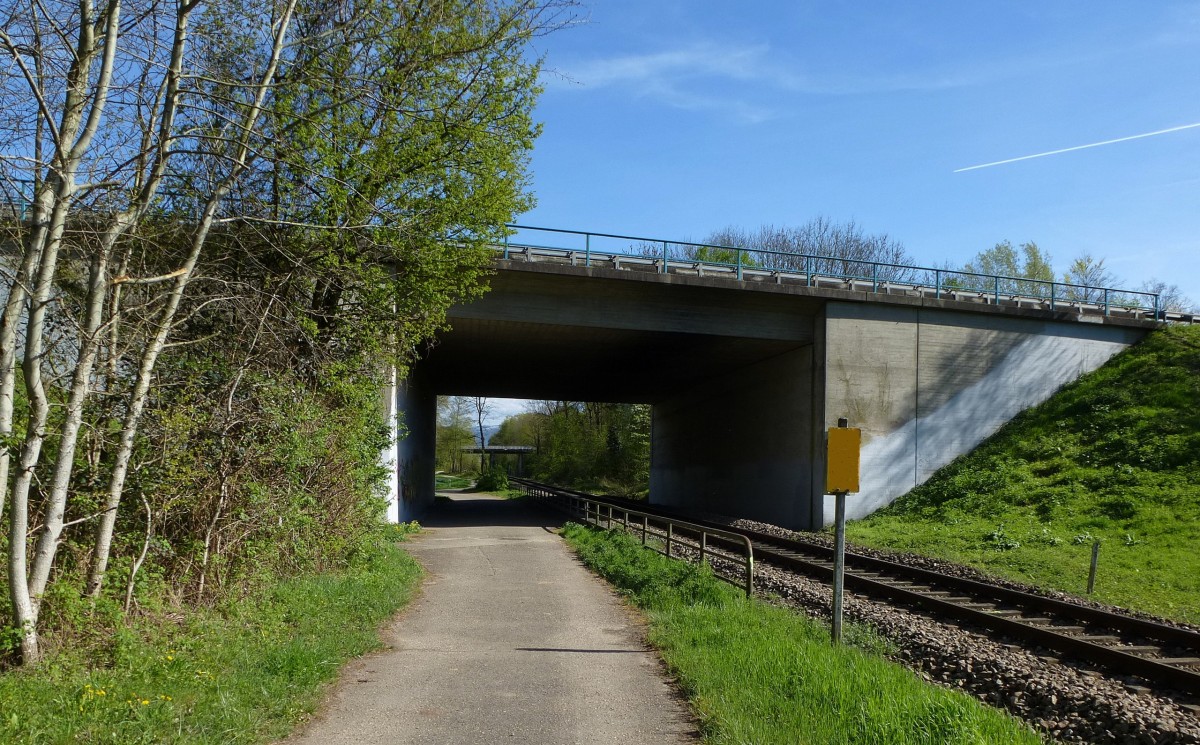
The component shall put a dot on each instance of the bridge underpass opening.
(727, 409)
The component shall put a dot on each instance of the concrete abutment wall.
(416, 404)
(928, 385)
(740, 444)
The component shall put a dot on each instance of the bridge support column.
(741, 444)
(415, 422)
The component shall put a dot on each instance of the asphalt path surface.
(511, 640)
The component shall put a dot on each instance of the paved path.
(512, 641)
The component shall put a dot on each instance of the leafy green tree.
(589, 445)
(1004, 260)
(234, 201)
(454, 432)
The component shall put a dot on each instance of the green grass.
(760, 674)
(452, 481)
(245, 674)
(1114, 456)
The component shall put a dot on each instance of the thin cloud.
(659, 68)
(1079, 147)
(693, 78)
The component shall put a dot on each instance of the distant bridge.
(493, 450)
(748, 356)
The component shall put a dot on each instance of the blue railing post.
(937, 284)
(1106, 301)
(996, 289)
(874, 278)
(808, 271)
(1157, 300)
(664, 264)
(587, 250)
(506, 245)
(1052, 298)
(739, 263)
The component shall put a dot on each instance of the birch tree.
(336, 135)
(104, 137)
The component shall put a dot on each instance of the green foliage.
(1112, 456)
(242, 672)
(730, 256)
(589, 445)
(392, 152)
(454, 432)
(492, 479)
(1004, 260)
(758, 673)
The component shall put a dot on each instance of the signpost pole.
(839, 564)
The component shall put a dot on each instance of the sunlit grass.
(244, 673)
(760, 674)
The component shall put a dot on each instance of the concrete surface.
(512, 640)
(745, 378)
(740, 444)
(926, 386)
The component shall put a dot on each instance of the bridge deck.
(942, 285)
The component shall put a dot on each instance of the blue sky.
(672, 119)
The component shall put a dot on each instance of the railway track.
(1165, 656)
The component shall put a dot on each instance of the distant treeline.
(602, 446)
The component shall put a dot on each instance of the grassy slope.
(1114, 456)
(756, 673)
(246, 674)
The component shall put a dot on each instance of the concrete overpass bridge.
(748, 356)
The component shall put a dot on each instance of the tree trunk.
(129, 426)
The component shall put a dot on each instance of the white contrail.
(1079, 147)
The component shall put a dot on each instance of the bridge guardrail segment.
(654, 254)
(604, 515)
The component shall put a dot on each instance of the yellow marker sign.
(841, 459)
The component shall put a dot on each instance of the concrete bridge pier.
(742, 443)
(412, 409)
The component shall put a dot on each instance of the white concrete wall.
(927, 386)
(388, 458)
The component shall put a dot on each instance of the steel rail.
(810, 558)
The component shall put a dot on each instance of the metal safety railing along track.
(1112, 640)
(673, 532)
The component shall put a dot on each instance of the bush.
(492, 479)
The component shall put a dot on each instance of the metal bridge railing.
(673, 532)
(666, 256)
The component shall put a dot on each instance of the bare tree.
(102, 144)
(1170, 298)
(821, 246)
(483, 409)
